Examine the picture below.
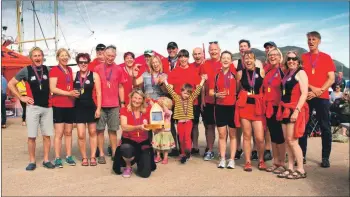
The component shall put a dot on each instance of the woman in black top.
(86, 110)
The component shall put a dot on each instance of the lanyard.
(108, 77)
(183, 107)
(82, 82)
(37, 75)
(65, 73)
(273, 76)
(313, 63)
(152, 78)
(227, 77)
(286, 77)
(137, 122)
(251, 80)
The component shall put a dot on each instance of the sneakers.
(222, 163)
(48, 165)
(248, 167)
(183, 159)
(238, 154)
(70, 161)
(254, 156)
(325, 163)
(127, 173)
(267, 155)
(231, 164)
(31, 167)
(205, 151)
(174, 153)
(58, 163)
(262, 165)
(208, 156)
(195, 151)
(109, 150)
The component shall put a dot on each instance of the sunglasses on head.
(292, 58)
(213, 42)
(148, 51)
(83, 62)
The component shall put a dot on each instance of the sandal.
(285, 173)
(93, 161)
(279, 170)
(84, 162)
(296, 175)
(272, 168)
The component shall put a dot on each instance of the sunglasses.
(100, 49)
(172, 48)
(214, 42)
(83, 62)
(292, 58)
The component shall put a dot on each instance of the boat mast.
(19, 25)
(56, 23)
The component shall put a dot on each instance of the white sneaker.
(222, 163)
(231, 164)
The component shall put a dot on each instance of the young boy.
(183, 113)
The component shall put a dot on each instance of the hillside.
(261, 56)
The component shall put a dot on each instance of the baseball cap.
(270, 43)
(148, 52)
(172, 45)
(100, 47)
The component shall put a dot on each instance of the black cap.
(270, 43)
(100, 47)
(172, 45)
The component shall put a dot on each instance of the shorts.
(196, 113)
(39, 116)
(275, 128)
(248, 112)
(208, 115)
(85, 114)
(287, 120)
(224, 115)
(109, 117)
(63, 115)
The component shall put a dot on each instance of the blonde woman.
(151, 84)
(61, 86)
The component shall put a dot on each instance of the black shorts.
(208, 115)
(63, 115)
(287, 120)
(275, 128)
(85, 114)
(196, 113)
(224, 115)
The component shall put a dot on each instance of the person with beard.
(320, 69)
(198, 57)
(39, 111)
(244, 45)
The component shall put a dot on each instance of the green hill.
(261, 56)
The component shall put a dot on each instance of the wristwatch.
(297, 109)
(122, 102)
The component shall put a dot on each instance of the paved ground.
(195, 178)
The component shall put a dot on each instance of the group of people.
(268, 102)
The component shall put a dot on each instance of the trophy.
(157, 118)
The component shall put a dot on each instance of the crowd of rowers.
(268, 102)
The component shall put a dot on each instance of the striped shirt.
(183, 108)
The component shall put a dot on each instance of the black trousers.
(323, 117)
(3, 109)
(24, 107)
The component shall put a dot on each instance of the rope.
(83, 18)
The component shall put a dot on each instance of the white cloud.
(119, 22)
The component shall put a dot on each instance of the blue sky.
(136, 26)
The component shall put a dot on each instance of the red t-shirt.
(166, 65)
(110, 95)
(209, 67)
(225, 82)
(197, 66)
(272, 86)
(137, 136)
(93, 64)
(323, 65)
(128, 85)
(179, 76)
(64, 82)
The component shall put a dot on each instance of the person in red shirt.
(198, 57)
(172, 61)
(223, 88)
(293, 114)
(320, 69)
(210, 67)
(135, 145)
(100, 48)
(61, 86)
(184, 73)
(112, 89)
(249, 109)
(268, 46)
(272, 97)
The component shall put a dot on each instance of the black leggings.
(24, 111)
(275, 128)
(144, 168)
